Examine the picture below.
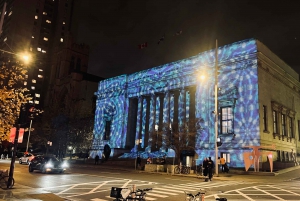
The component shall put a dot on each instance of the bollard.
(133, 190)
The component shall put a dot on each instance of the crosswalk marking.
(157, 195)
(163, 192)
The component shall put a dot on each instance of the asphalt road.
(94, 183)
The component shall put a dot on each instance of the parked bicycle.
(194, 197)
(126, 194)
(182, 169)
(4, 180)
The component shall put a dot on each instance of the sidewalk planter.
(154, 168)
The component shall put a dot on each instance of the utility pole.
(216, 110)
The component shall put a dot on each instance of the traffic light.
(219, 142)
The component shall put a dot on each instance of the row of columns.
(172, 108)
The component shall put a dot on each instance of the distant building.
(35, 27)
(258, 104)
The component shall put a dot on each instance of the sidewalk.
(20, 192)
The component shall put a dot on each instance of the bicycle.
(4, 179)
(182, 169)
(194, 197)
(125, 194)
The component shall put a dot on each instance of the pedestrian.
(222, 162)
(149, 160)
(204, 166)
(97, 159)
(210, 167)
(138, 161)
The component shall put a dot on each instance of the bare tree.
(180, 138)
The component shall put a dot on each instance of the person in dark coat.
(138, 161)
(96, 159)
(210, 167)
(204, 166)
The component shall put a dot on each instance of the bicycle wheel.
(176, 170)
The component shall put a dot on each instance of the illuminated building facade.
(256, 101)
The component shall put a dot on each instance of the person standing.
(97, 159)
(210, 167)
(222, 162)
(204, 167)
(138, 161)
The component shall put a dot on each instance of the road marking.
(157, 195)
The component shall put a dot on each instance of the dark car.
(47, 163)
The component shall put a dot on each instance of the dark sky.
(114, 28)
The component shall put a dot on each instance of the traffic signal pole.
(13, 157)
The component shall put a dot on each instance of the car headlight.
(49, 165)
(65, 164)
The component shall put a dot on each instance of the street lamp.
(70, 149)
(156, 130)
(217, 140)
(216, 110)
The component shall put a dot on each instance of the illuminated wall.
(238, 84)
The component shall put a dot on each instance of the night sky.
(114, 28)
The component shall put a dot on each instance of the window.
(33, 87)
(39, 49)
(291, 131)
(265, 124)
(25, 83)
(44, 13)
(32, 36)
(226, 120)
(36, 102)
(64, 22)
(33, 81)
(226, 156)
(5, 39)
(38, 95)
(43, 51)
(45, 39)
(61, 40)
(48, 21)
(40, 76)
(275, 121)
(36, 17)
(41, 70)
(9, 14)
(283, 124)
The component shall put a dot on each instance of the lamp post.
(70, 149)
(156, 130)
(216, 109)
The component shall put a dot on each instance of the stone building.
(258, 104)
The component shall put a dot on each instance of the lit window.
(64, 22)
(36, 17)
(37, 95)
(36, 102)
(10, 13)
(44, 13)
(39, 49)
(48, 21)
(5, 13)
(30, 101)
(33, 87)
(40, 76)
(44, 51)
(41, 70)
(33, 81)
(5, 39)
(25, 83)
(226, 120)
(45, 39)
(61, 40)
(32, 36)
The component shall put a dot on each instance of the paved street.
(94, 183)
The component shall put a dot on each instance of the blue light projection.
(237, 79)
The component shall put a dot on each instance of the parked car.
(47, 163)
(26, 158)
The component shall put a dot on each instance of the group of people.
(208, 165)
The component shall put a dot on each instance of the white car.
(26, 158)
